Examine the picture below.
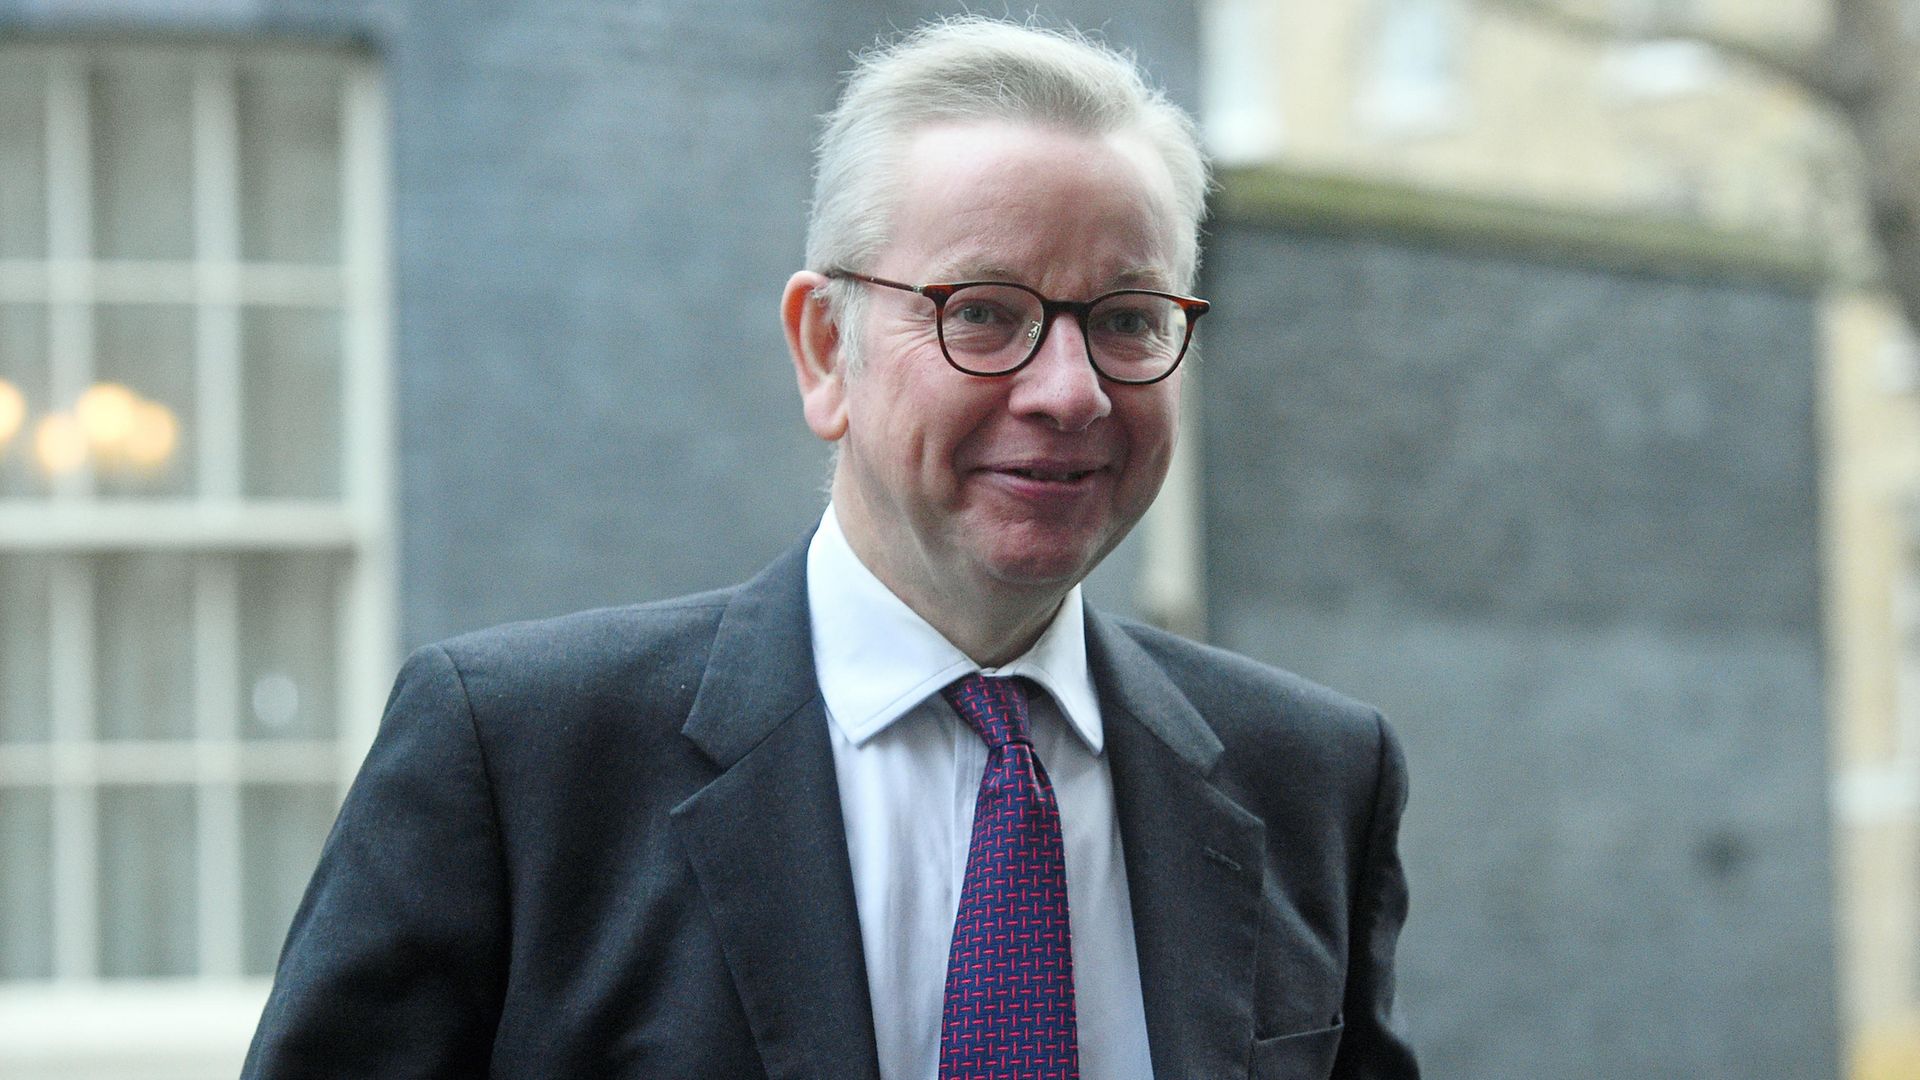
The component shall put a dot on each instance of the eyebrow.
(1133, 278)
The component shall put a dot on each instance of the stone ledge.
(1332, 203)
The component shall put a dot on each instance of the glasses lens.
(990, 328)
(1136, 335)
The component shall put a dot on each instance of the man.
(901, 806)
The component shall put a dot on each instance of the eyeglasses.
(1133, 336)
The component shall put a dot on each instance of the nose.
(1059, 385)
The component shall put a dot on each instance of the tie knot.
(995, 708)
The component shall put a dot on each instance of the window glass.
(25, 634)
(290, 161)
(142, 444)
(1413, 79)
(287, 632)
(142, 141)
(23, 132)
(149, 866)
(291, 381)
(143, 633)
(23, 397)
(1240, 96)
(26, 889)
(283, 826)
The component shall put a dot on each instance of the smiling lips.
(1064, 473)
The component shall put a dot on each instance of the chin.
(1046, 576)
(1040, 554)
(1059, 566)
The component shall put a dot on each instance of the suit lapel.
(1194, 863)
(768, 845)
(767, 842)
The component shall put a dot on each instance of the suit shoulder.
(1209, 674)
(580, 634)
(1274, 723)
(662, 644)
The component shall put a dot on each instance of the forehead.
(1046, 206)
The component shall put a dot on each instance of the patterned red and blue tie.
(1009, 1005)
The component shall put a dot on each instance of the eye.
(1128, 322)
(979, 313)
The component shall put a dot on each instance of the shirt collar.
(876, 658)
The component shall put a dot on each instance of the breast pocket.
(1305, 1055)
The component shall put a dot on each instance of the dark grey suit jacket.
(610, 845)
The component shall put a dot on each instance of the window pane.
(148, 349)
(142, 158)
(287, 607)
(144, 636)
(23, 368)
(292, 374)
(23, 155)
(290, 161)
(282, 827)
(1413, 81)
(26, 884)
(148, 872)
(25, 633)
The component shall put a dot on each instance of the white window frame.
(1241, 108)
(80, 1024)
(1399, 101)
(1635, 71)
(1887, 789)
(1650, 71)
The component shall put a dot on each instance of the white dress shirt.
(909, 769)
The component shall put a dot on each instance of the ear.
(814, 341)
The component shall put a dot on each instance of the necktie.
(1009, 1003)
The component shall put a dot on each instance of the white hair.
(968, 68)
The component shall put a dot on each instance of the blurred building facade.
(1546, 109)
(330, 329)
(467, 315)
(1484, 97)
(196, 528)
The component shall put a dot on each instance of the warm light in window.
(13, 411)
(114, 427)
(152, 434)
(60, 444)
(106, 413)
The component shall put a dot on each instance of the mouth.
(1051, 475)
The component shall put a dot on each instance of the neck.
(992, 643)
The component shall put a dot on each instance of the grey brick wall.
(1559, 522)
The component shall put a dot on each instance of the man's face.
(962, 491)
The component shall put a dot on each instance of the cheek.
(1152, 431)
(902, 420)
(900, 339)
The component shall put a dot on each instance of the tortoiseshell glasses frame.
(1134, 337)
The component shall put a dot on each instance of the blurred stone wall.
(1559, 521)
